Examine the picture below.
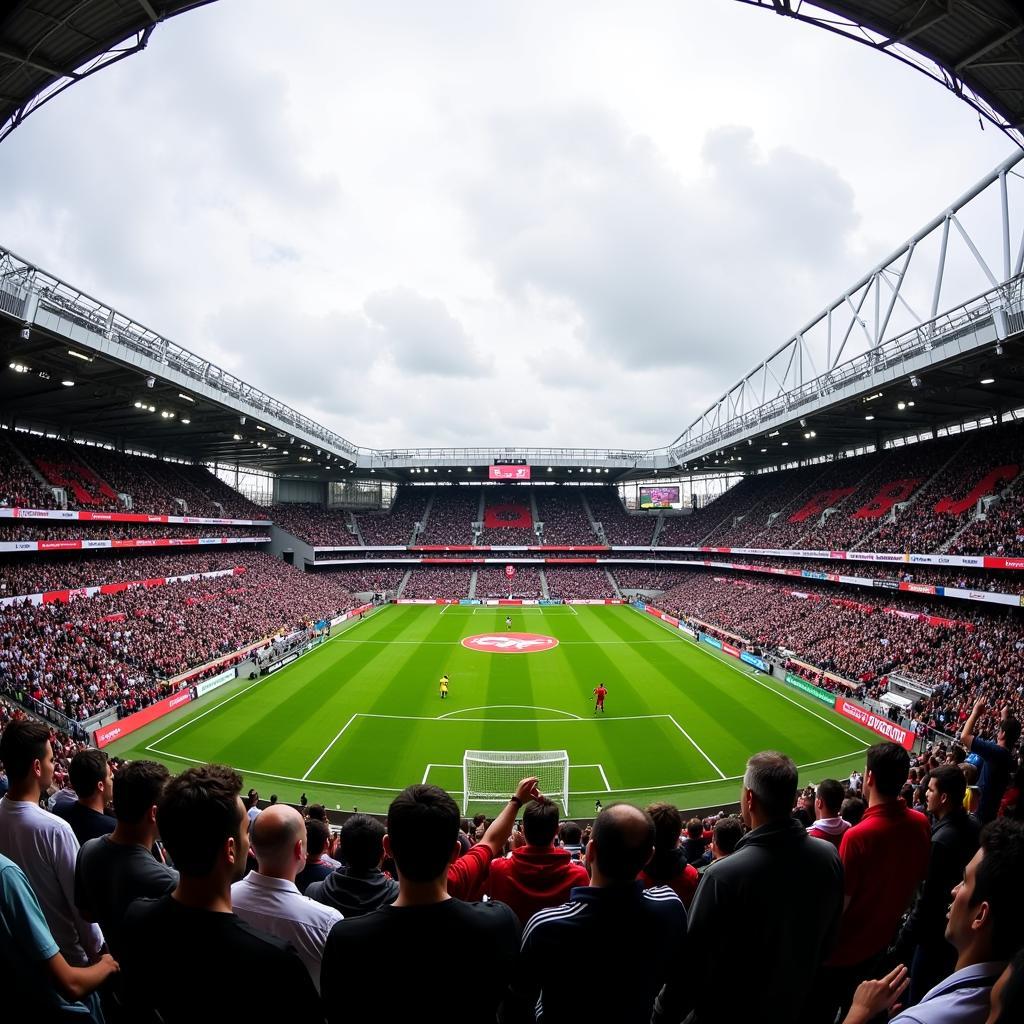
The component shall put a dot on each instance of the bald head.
(622, 842)
(278, 841)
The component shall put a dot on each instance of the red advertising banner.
(729, 649)
(508, 516)
(890, 730)
(114, 731)
(508, 472)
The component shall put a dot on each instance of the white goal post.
(491, 776)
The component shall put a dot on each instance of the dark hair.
(772, 778)
(728, 832)
(570, 833)
(1010, 728)
(137, 787)
(197, 813)
(318, 835)
(317, 812)
(22, 743)
(362, 842)
(999, 881)
(87, 770)
(950, 780)
(852, 810)
(423, 828)
(540, 822)
(623, 838)
(830, 793)
(668, 824)
(889, 763)
(694, 828)
(1012, 1002)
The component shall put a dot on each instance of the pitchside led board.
(509, 472)
(659, 497)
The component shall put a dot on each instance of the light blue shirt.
(960, 999)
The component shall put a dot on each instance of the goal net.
(492, 775)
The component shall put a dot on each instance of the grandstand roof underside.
(973, 47)
(101, 406)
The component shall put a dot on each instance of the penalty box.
(392, 751)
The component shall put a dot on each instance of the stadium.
(195, 571)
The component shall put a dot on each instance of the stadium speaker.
(150, 382)
(25, 333)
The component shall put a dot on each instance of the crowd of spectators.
(491, 581)
(643, 577)
(836, 630)
(589, 583)
(620, 527)
(90, 653)
(831, 899)
(363, 580)
(452, 512)
(563, 515)
(512, 505)
(396, 525)
(20, 575)
(315, 524)
(18, 487)
(38, 529)
(438, 582)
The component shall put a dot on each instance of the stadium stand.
(438, 582)
(452, 512)
(314, 524)
(619, 526)
(564, 518)
(508, 517)
(588, 583)
(396, 525)
(492, 582)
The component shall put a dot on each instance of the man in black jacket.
(359, 885)
(767, 914)
(922, 941)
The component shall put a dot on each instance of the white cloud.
(459, 224)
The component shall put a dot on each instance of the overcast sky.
(477, 223)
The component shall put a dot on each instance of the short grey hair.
(772, 778)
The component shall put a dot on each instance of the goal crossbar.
(491, 776)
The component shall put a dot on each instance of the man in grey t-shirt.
(113, 871)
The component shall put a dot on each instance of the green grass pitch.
(360, 717)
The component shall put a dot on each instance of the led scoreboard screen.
(506, 472)
(659, 497)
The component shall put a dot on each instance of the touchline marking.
(525, 707)
(721, 774)
(451, 643)
(749, 675)
(575, 792)
(329, 745)
(600, 768)
(337, 636)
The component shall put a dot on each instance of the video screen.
(659, 497)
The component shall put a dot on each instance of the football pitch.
(360, 717)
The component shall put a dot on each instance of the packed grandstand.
(877, 575)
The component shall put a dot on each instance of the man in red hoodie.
(539, 874)
(828, 802)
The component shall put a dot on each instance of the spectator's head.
(362, 843)
(828, 798)
(1009, 732)
(986, 919)
(273, 798)
(725, 837)
(621, 843)
(317, 812)
(570, 833)
(887, 770)
(27, 754)
(138, 787)
(668, 825)
(540, 822)
(947, 787)
(252, 799)
(1007, 1000)
(694, 828)
(769, 789)
(318, 836)
(90, 776)
(279, 842)
(203, 823)
(423, 833)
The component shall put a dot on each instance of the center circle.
(510, 643)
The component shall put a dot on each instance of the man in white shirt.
(41, 844)
(268, 899)
(986, 927)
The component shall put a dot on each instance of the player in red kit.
(600, 693)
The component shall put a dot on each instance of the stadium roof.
(975, 48)
(48, 45)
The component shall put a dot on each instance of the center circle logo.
(510, 643)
